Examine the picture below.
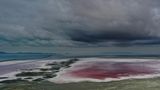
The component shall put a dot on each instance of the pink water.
(103, 69)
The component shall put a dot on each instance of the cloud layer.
(79, 22)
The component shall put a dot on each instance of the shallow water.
(107, 69)
(8, 68)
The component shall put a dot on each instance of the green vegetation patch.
(12, 81)
(143, 84)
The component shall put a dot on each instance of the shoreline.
(62, 78)
(10, 69)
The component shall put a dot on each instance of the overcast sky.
(79, 23)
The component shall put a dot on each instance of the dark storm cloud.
(79, 22)
(84, 36)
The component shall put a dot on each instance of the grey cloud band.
(79, 22)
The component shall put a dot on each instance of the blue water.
(43, 56)
(23, 56)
